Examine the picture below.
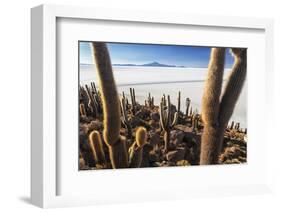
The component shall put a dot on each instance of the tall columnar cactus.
(96, 96)
(217, 111)
(124, 117)
(111, 107)
(179, 103)
(93, 105)
(96, 146)
(187, 103)
(133, 100)
(166, 120)
(136, 150)
(150, 101)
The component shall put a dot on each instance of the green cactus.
(166, 120)
(111, 107)
(96, 147)
(136, 150)
(216, 112)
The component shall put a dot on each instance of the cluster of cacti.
(124, 116)
(217, 108)
(167, 119)
(150, 101)
(90, 101)
(118, 133)
(133, 101)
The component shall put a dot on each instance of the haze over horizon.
(140, 54)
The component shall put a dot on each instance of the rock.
(153, 124)
(177, 136)
(155, 116)
(154, 138)
(136, 121)
(176, 155)
(183, 163)
(164, 164)
(93, 125)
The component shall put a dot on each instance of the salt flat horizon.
(165, 80)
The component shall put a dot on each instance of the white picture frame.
(44, 150)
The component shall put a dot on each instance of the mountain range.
(152, 64)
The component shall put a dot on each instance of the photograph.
(160, 105)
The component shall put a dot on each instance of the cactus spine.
(136, 150)
(96, 146)
(111, 107)
(215, 112)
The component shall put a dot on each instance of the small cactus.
(166, 120)
(82, 110)
(96, 147)
(124, 117)
(136, 150)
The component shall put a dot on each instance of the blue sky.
(122, 53)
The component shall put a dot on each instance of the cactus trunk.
(111, 107)
(215, 112)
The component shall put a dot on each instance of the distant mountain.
(152, 64)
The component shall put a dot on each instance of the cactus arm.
(212, 90)
(234, 86)
(136, 149)
(118, 154)
(162, 116)
(175, 120)
(96, 147)
(109, 95)
(169, 113)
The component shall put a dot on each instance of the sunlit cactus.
(136, 150)
(217, 110)
(82, 110)
(124, 117)
(166, 121)
(111, 107)
(96, 146)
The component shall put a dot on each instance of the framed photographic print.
(131, 106)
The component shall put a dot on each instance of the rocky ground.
(184, 145)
